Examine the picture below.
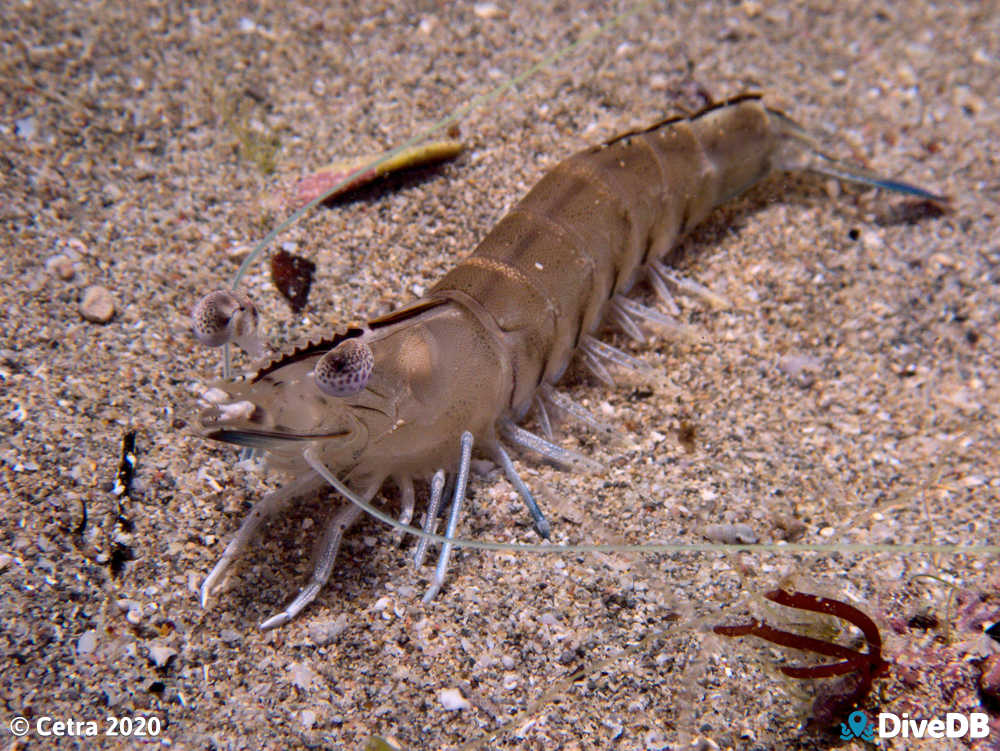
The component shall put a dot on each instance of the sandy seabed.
(847, 393)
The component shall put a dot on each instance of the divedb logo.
(890, 725)
(954, 725)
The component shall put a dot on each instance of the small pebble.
(906, 75)
(791, 527)
(871, 240)
(160, 655)
(488, 11)
(97, 305)
(303, 676)
(25, 127)
(656, 740)
(307, 718)
(230, 636)
(61, 266)
(731, 534)
(452, 699)
(112, 193)
(614, 726)
(87, 642)
(989, 681)
(75, 247)
(324, 632)
(567, 657)
(800, 368)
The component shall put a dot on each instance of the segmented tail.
(802, 153)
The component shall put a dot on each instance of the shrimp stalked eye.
(224, 317)
(345, 369)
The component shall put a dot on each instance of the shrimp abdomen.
(546, 271)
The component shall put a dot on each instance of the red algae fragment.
(312, 186)
(292, 275)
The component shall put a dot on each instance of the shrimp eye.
(345, 369)
(222, 317)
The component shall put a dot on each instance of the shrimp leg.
(437, 491)
(408, 501)
(323, 567)
(542, 526)
(456, 506)
(271, 504)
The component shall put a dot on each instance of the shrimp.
(410, 394)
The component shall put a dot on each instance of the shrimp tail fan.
(802, 154)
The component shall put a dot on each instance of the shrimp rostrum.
(409, 395)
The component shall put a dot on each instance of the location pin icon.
(857, 722)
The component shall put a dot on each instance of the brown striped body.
(582, 234)
(467, 360)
